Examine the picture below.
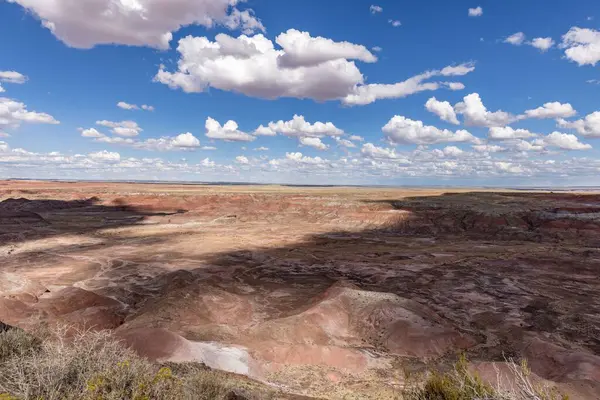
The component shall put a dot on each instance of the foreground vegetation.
(461, 383)
(93, 366)
(88, 365)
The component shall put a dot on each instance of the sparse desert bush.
(94, 366)
(15, 342)
(462, 384)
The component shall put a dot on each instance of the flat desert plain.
(325, 292)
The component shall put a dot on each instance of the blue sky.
(385, 92)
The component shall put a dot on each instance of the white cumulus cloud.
(475, 12)
(516, 39)
(228, 132)
(12, 77)
(442, 109)
(552, 110)
(105, 156)
(302, 50)
(13, 113)
(84, 24)
(582, 45)
(375, 9)
(90, 133)
(565, 141)
(344, 142)
(303, 67)
(508, 133)
(313, 142)
(588, 126)
(242, 160)
(369, 150)
(299, 127)
(476, 114)
(542, 44)
(122, 128)
(403, 130)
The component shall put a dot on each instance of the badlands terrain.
(322, 292)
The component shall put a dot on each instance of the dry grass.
(462, 384)
(93, 366)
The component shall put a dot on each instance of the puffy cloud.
(509, 167)
(208, 148)
(242, 160)
(543, 44)
(394, 23)
(475, 12)
(366, 94)
(13, 113)
(147, 107)
(262, 148)
(2, 89)
(127, 106)
(369, 150)
(134, 22)
(508, 133)
(357, 138)
(105, 156)
(523, 145)
(12, 77)
(250, 65)
(228, 132)
(552, 110)
(90, 133)
(442, 109)
(123, 128)
(476, 114)
(452, 151)
(400, 129)
(565, 141)
(298, 158)
(375, 9)
(313, 142)
(244, 20)
(487, 148)
(588, 126)
(185, 140)
(305, 67)
(376, 49)
(582, 45)
(516, 39)
(299, 127)
(302, 50)
(455, 85)
(344, 142)
(264, 131)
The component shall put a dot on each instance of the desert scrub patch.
(92, 365)
(16, 342)
(462, 384)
